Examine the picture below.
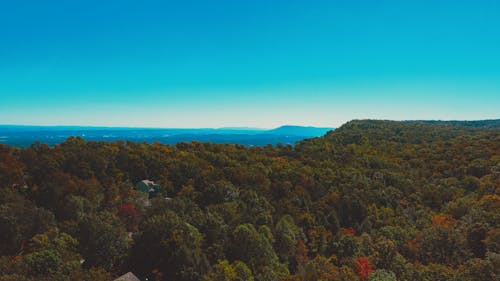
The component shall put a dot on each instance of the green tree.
(52, 254)
(20, 220)
(382, 275)
(225, 271)
(170, 246)
(286, 239)
(103, 241)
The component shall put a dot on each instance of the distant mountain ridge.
(300, 130)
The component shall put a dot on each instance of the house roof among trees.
(129, 276)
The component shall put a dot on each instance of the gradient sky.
(247, 63)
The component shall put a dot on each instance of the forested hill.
(417, 132)
(492, 123)
(372, 200)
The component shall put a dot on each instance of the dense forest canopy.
(372, 200)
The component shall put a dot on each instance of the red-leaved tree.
(364, 267)
(348, 231)
(129, 215)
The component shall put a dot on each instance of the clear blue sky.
(247, 63)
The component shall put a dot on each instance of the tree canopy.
(372, 200)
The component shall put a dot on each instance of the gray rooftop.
(129, 276)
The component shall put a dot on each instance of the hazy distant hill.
(23, 136)
(299, 131)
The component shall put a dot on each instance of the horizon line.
(243, 127)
